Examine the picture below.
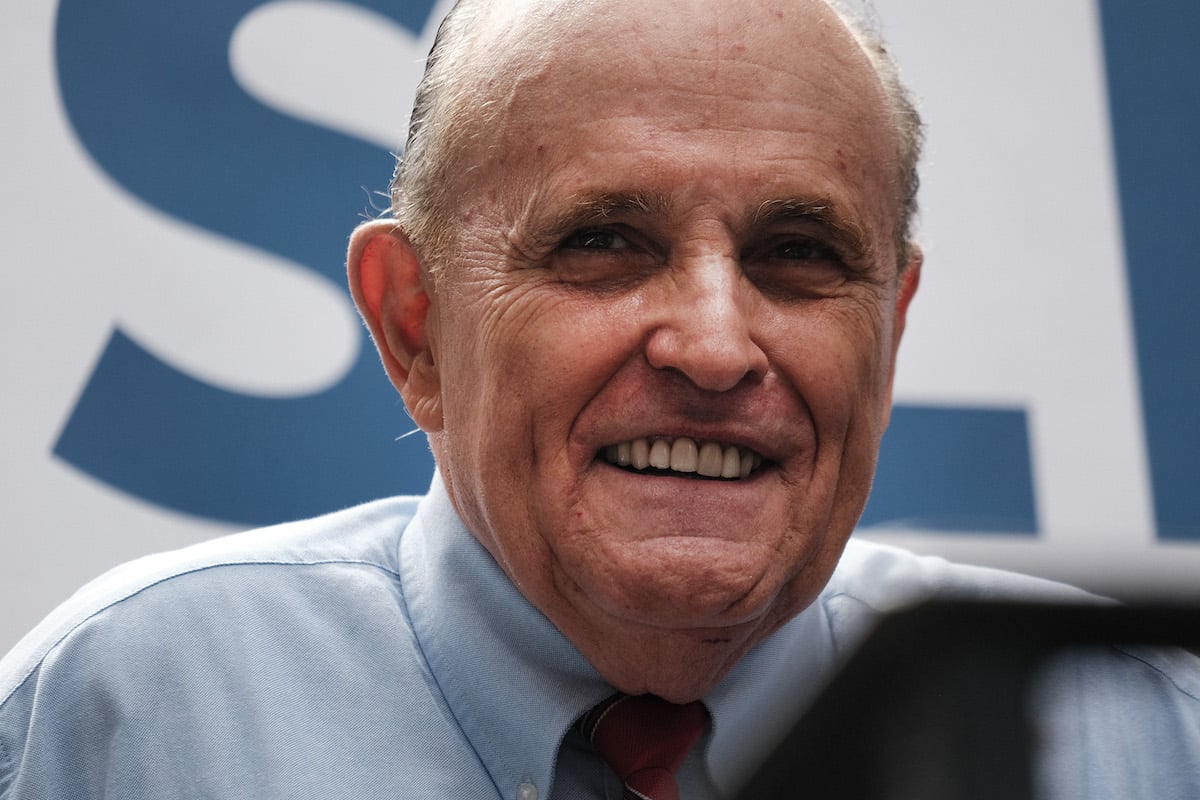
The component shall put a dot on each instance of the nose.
(705, 325)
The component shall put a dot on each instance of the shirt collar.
(765, 693)
(515, 684)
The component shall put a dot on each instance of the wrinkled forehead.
(538, 86)
(526, 52)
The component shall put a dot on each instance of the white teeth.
(684, 455)
(710, 459)
(660, 454)
(731, 464)
(639, 454)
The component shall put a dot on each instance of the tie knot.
(645, 739)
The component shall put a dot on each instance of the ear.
(388, 286)
(909, 279)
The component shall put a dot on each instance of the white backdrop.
(1024, 300)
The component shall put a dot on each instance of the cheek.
(521, 363)
(563, 346)
(839, 358)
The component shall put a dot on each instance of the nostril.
(705, 328)
(716, 365)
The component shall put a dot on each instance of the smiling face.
(660, 352)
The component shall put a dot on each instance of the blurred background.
(181, 359)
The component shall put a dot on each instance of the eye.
(607, 258)
(797, 267)
(595, 239)
(804, 250)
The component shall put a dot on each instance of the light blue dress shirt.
(380, 652)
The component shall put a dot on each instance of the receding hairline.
(457, 101)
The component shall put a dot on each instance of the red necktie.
(645, 739)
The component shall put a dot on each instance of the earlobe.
(388, 286)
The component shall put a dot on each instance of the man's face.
(674, 244)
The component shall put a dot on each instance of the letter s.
(195, 145)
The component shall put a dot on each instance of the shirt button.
(527, 791)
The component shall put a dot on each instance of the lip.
(766, 418)
(772, 446)
(652, 505)
(652, 473)
(657, 504)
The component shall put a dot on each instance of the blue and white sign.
(179, 180)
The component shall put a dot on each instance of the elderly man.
(644, 288)
(681, 237)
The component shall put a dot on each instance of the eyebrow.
(822, 212)
(593, 209)
(596, 208)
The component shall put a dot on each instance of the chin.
(680, 669)
(677, 663)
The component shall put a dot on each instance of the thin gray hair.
(443, 120)
(862, 20)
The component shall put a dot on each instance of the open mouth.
(684, 457)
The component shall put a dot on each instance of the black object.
(933, 705)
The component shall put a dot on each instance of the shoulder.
(874, 579)
(192, 584)
(1112, 721)
(889, 578)
(283, 662)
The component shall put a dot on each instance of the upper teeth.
(709, 459)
